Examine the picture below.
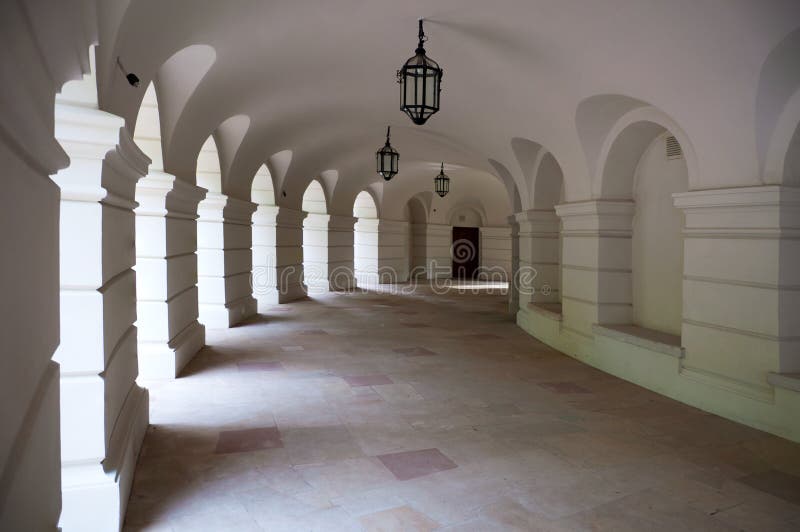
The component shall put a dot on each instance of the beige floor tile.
(585, 452)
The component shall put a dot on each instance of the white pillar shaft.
(166, 273)
(224, 260)
(539, 256)
(514, 277)
(741, 249)
(596, 263)
(341, 252)
(316, 268)
(103, 413)
(277, 255)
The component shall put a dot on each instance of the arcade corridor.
(435, 412)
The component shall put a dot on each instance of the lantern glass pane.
(408, 90)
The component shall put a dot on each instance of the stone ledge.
(788, 381)
(549, 310)
(658, 341)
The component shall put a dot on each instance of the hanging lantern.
(442, 183)
(420, 84)
(387, 159)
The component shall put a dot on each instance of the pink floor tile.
(412, 464)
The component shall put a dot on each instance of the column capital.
(392, 226)
(238, 210)
(534, 215)
(183, 199)
(770, 211)
(316, 220)
(342, 223)
(151, 193)
(604, 218)
(495, 231)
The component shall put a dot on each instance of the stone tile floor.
(341, 413)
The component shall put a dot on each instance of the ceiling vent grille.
(674, 150)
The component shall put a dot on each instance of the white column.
(224, 255)
(495, 253)
(277, 255)
(104, 413)
(340, 252)
(515, 277)
(315, 253)
(741, 288)
(365, 251)
(539, 256)
(166, 275)
(392, 263)
(596, 263)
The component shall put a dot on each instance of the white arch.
(315, 200)
(467, 204)
(778, 113)
(365, 206)
(624, 145)
(209, 174)
(262, 188)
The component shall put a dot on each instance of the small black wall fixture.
(387, 159)
(420, 81)
(442, 183)
(132, 78)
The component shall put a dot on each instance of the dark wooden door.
(465, 252)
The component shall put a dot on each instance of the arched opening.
(645, 163)
(264, 274)
(210, 239)
(365, 240)
(548, 191)
(657, 242)
(417, 216)
(315, 238)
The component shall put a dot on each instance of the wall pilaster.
(166, 275)
(224, 254)
(596, 261)
(104, 414)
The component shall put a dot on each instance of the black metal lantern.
(442, 183)
(420, 82)
(387, 159)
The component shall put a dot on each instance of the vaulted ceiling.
(315, 79)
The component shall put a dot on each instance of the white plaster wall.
(495, 252)
(466, 217)
(657, 245)
(60, 32)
